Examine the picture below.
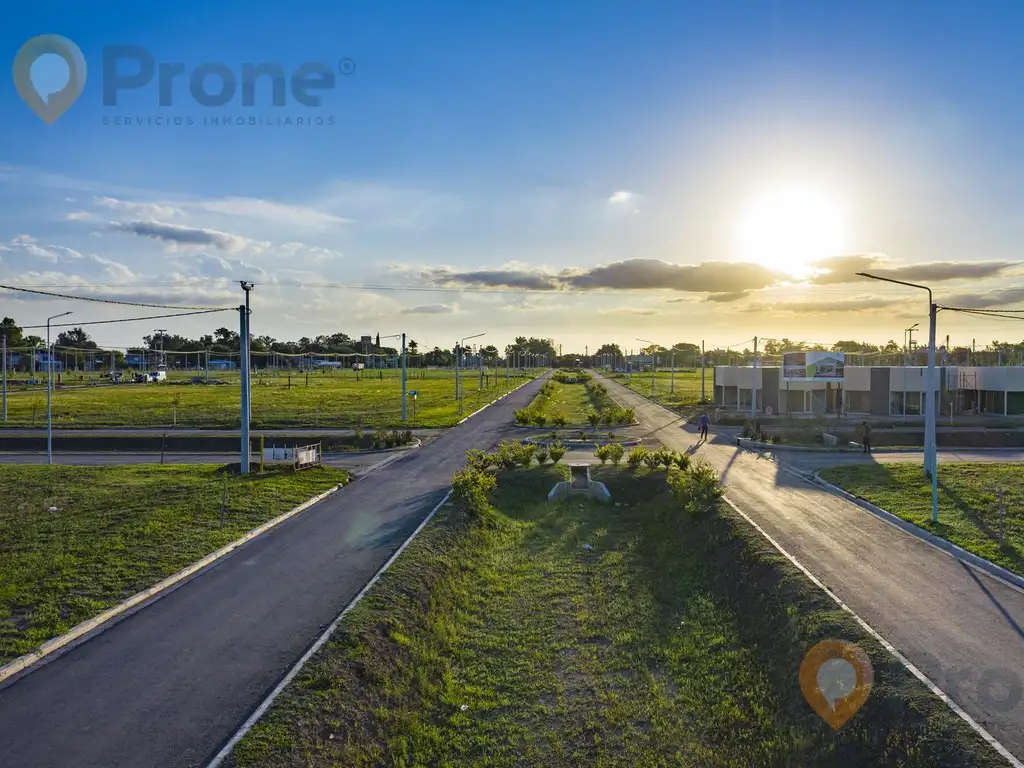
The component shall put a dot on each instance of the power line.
(100, 301)
(130, 319)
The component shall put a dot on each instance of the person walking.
(866, 436)
(704, 422)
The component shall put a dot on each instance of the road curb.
(165, 587)
(226, 750)
(959, 553)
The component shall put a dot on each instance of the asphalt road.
(171, 683)
(962, 628)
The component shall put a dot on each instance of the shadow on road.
(994, 600)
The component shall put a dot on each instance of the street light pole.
(458, 383)
(645, 341)
(931, 458)
(49, 387)
(244, 350)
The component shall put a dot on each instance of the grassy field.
(687, 386)
(675, 641)
(118, 530)
(968, 502)
(335, 399)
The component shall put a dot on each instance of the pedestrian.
(866, 436)
(704, 422)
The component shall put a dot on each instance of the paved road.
(807, 461)
(959, 626)
(170, 684)
(192, 432)
(353, 461)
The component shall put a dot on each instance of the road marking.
(989, 738)
(317, 645)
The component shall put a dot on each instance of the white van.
(160, 374)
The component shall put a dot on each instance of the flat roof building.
(875, 390)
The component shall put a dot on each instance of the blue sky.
(611, 148)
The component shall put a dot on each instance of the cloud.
(814, 307)
(79, 216)
(113, 269)
(1002, 297)
(430, 309)
(844, 269)
(495, 278)
(29, 245)
(622, 196)
(293, 251)
(726, 297)
(629, 311)
(293, 216)
(145, 210)
(652, 274)
(176, 234)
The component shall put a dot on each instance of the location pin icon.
(836, 678)
(49, 73)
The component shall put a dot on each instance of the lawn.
(570, 401)
(334, 399)
(968, 502)
(687, 386)
(674, 641)
(117, 531)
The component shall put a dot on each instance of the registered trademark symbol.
(346, 66)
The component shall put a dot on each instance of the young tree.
(13, 333)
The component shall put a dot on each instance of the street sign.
(412, 393)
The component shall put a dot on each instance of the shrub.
(477, 459)
(593, 418)
(616, 452)
(682, 460)
(540, 419)
(559, 420)
(525, 454)
(636, 457)
(607, 416)
(696, 490)
(602, 452)
(542, 455)
(666, 457)
(652, 459)
(471, 486)
(556, 451)
(523, 416)
(628, 416)
(507, 455)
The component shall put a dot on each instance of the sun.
(790, 227)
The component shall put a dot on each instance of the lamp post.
(931, 459)
(458, 387)
(49, 388)
(645, 341)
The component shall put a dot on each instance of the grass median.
(685, 391)
(968, 503)
(675, 640)
(117, 531)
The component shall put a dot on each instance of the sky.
(589, 172)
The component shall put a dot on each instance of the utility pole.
(4, 353)
(243, 338)
(160, 335)
(702, 373)
(404, 363)
(753, 383)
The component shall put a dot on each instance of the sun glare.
(789, 228)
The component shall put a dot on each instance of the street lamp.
(49, 388)
(931, 459)
(645, 341)
(908, 341)
(458, 386)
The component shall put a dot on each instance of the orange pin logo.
(836, 678)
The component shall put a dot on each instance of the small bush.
(593, 418)
(608, 416)
(542, 455)
(697, 489)
(636, 457)
(477, 459)
(666, 457)
(523, 416)
(525, 454)
(540, 419)
(507, 455)
(616, 452)
(602, 453)
(652, 459)
(559, 420)
(628, 416)
(471, 486)
(682, 460)
(556, 451)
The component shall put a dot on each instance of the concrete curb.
(168, 585)
(951, 549)
(572, 446)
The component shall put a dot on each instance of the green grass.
(968, 502)
(674, 642)
(687, 386)
(118, 530)
(570, 400)
(336, 399)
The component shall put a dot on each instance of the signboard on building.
(813, 366)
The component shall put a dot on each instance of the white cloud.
(177, 235)
(430, 309)
(293, 216)
(79, 216)
(621, 197)
(629, 311)
(145, 210)
(29, 245)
